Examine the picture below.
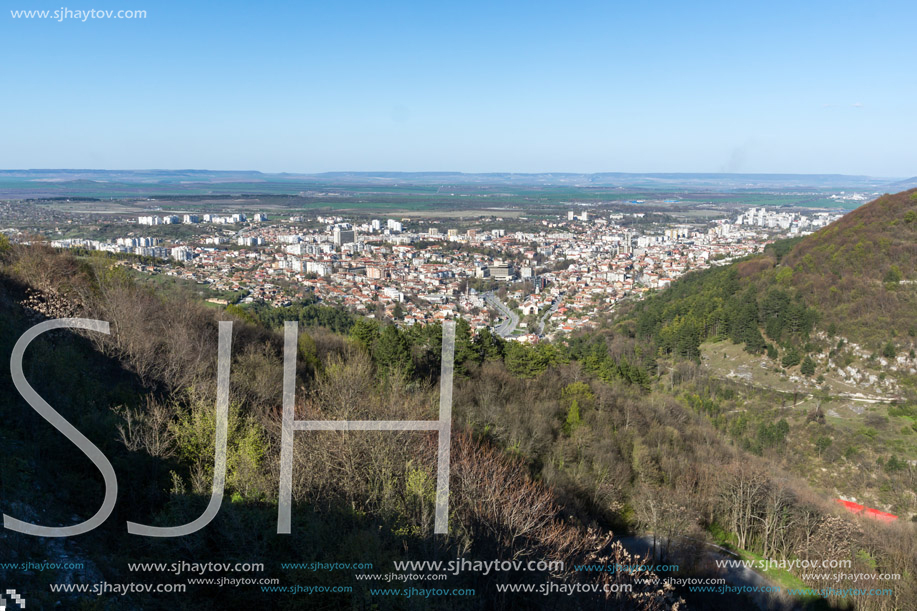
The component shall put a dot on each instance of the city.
(563, 275)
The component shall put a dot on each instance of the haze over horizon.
(783, 88)
(178, 170)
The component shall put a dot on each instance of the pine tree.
(366, 332)
(889, 350)
(808, 366)
(393, 354)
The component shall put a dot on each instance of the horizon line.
(457, 172)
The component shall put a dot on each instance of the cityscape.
(563, 275)
(478, 306)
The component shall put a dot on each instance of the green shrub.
(241, 313)
(894, 464)
(822, 444)
(785, 275)
(893, 275)
(195, 436)
(791, 358)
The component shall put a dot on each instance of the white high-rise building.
(182, 253)
(319, 268)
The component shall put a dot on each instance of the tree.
(573, 418)
(393, 354)
(529, 361)
(365, 332)
(519, 361)
(580, 396)
(754, 343)
(308, 352)
(488, 345)
(773, 435)
(661, 514)
(742, 500)
(785, 275)
(808, 366)
(464, 346)
(889, 350)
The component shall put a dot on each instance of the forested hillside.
(145, 395)
(861, 271)
(857, 277)
(556, 445)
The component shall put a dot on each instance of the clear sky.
(528, 86)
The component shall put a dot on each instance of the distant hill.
(47, 183)
(615, 179)
(901, 185)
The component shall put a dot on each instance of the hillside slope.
(144, 395)
(856, 278)
(861, 271)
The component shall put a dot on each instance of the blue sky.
(826, 87)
